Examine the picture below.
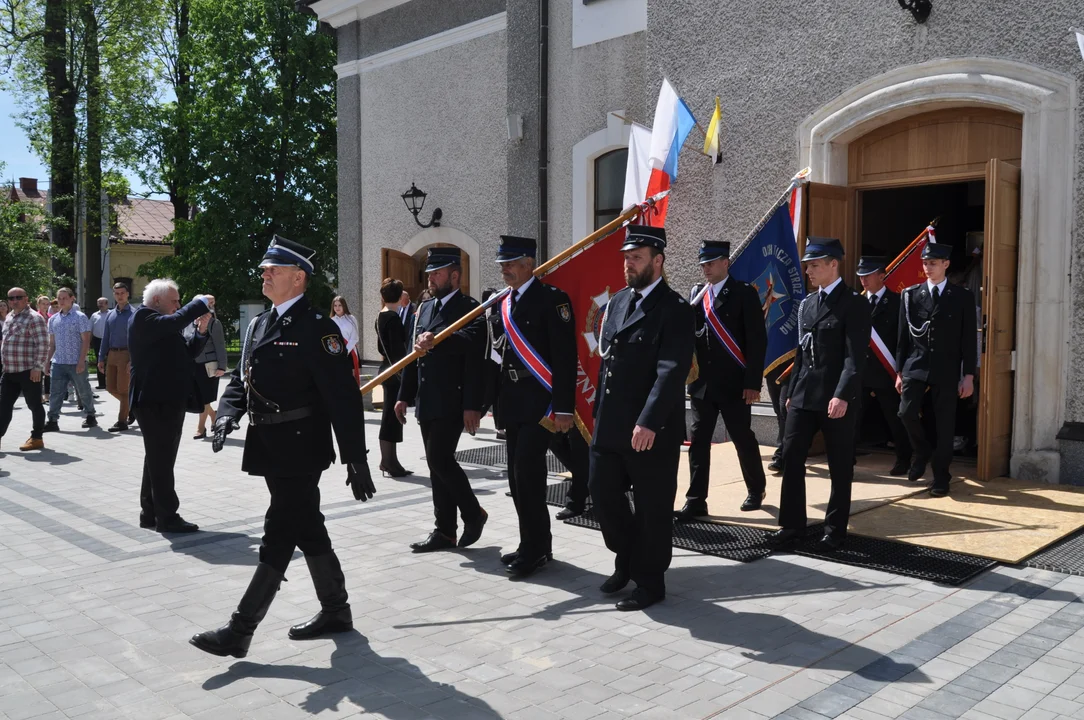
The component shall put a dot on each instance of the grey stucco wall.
(348, 102)
(409, 22)
(522, 98)
(775, 62)
(437, 120)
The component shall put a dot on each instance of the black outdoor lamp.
(415, 200)
(920, 9)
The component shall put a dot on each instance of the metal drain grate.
(1065, 556)
(940, 566)
(733, 542)
(497, 456)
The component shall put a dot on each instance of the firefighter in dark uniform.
(647, 349)
(729, 381)
(447, 388)
(936, 355)
(539, 349)
(296, 383)
(878, 384)
(833, 334)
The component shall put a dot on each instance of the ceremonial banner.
(770, 264)
(906, 270)
(590, 278)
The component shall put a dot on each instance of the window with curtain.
(609, 185)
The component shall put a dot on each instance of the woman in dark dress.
(392, 344)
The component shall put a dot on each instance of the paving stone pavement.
(95, 613)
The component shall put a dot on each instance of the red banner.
(590, 279)
(906, 270)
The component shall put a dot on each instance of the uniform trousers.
(889, 401)
(527, 445)
(802, 425)
(451, 487)
(777, 394)
(13, 384)
(161, 425)
(293, 520)
(641, 539)
(573, 452)
(738, 417)
(943, 398)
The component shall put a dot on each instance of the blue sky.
(15, 149)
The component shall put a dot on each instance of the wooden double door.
(410, 269)
(831, 211)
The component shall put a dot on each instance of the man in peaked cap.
(878, 381)
(296, 383)
(647, 348)
(538, 382)
(936, 354)
(447, 389)
(730, 348)
(833, 333)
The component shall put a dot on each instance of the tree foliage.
(263, 145)
(25, 256)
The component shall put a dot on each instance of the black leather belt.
(277, 418)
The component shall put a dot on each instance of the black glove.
(360, 480)
(224, 425)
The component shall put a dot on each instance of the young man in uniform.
(296, 383)
(538, 382)
(936, 355)
(879, 381)
(446, 385)
(833, 334)
(647, 350)
(730, 344)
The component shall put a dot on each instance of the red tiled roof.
(144, 221)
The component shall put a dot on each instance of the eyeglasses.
(16, 297)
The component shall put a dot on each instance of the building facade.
(972, 115)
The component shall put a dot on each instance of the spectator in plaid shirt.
(25, 348)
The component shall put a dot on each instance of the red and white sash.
(527, 354)
(719, 328)
(881, 351)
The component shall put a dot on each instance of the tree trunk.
(62, 122)
(180, 181)
(92, 187)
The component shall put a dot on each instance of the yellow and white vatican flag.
(712, 137)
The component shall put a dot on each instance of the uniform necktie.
(512, 302)
(872, 301)
(824, 296)
(274, 317)
(936, 294)
(632, 305)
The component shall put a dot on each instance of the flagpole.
(795, 181)
(615, 224)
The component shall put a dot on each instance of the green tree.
(262, 132)
(25, 254)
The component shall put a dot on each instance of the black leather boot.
(234, 637)
(334, 615)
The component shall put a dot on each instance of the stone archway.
(451, 236)
(1047, 101)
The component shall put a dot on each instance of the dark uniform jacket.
(641, 380)
(298, 362)
(544, 318)
(885, 319)
(720, 377)
(830, 361)
(945, 350)
(161, 357)
(448, 379)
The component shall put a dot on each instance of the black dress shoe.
(118, 426)
(938, 492)
(521, 567)
(436, 541)
(51, 426)
(641, 599)
(784, 536)
(473, 530)
(776, 466)
(899, 469)
(615, 583)
(918, 469)
(692, 510)
(147, 521)
(830, 543)
(752, 502)
(569, 511)
(90, 422)
(177, 525)
(509, 558)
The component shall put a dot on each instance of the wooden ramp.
(1006, 520)
(872, 488)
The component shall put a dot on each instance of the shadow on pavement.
(389, 687)
(216, 548)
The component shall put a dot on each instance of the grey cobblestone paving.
(95, 614)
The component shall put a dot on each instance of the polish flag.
(657, 160)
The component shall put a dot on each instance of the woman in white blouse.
(348, 326)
